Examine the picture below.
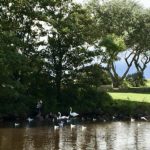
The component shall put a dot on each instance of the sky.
(120, 67)
(145, 3)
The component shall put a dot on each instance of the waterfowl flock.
(57, 120)
(73, 119)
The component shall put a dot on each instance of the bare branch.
(129, 65)
(126, 58)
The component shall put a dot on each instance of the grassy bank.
(131, 103)
(135, 94)
(137, 97)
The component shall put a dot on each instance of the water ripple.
(96, 136)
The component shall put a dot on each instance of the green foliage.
(125, 84)
(68, 31)
(148, 83)
(92, 76)
(117, 16)
(84, 100)
(128, 108)
(136, 79)
(114, 45)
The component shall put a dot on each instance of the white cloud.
(145, 3)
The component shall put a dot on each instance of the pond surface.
(96, 136)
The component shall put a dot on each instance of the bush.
(82, 100)
(85, 100)
(125, 84)
(136, 79)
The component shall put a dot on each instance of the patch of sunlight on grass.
(131, 96)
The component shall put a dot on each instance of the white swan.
(16, 124)
(143, 118)
(73, 114)
(62, 117)
(30, 119)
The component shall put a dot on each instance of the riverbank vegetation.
(61, 52)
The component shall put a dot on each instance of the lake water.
(96, 136)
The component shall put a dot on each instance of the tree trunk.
(58, 79)
(115, 79)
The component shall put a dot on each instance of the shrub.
(85, 99)
(136, 79)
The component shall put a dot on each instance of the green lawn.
(131, 96)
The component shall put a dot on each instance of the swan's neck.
(70, 110)
(59, 114)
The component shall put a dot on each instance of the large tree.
(20, 61)
(68, 30)
(141, 36)
(110, 47)
(120, 18)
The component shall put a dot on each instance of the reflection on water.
(97, 136)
